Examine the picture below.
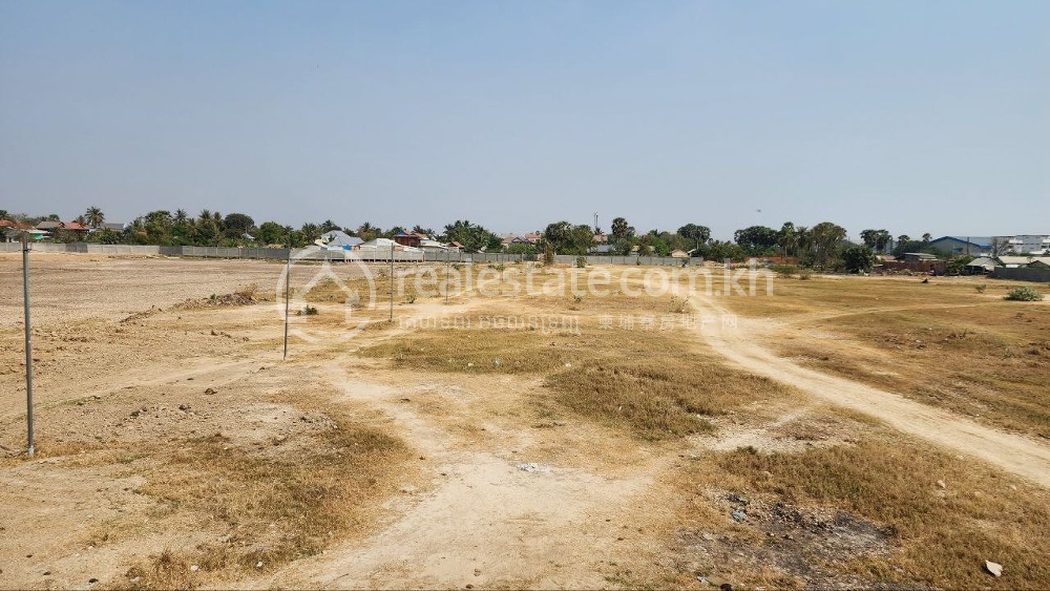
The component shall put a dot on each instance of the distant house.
(51, 227)
(528, 238)
(11, 231)
(956, 246)
(408, 238)
(981, 266)
(338, 240)
(1017, 262)
(118, 227)
(679, 254)
(430, 245)
(918, 257)
(603, 249)
(381, 245)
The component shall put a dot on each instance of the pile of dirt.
(244, 297)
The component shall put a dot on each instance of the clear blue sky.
(914, 116)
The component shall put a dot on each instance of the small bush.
(581, 262)
(1024, 294)
(497, 266)
(410, 298)
(784, 271)
(679, 305)
(308, 310)
(805, 274)
(980, 287)
(578, 297)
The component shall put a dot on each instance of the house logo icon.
(325, 270)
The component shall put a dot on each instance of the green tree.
(788, 239)
(93, 216)
(826, 240)
(271, 233)
(869, 237)
(756, 239)
(858, 259)
(695, 234)
(236, 225)
(473, 237)
(368, 232)
(620, 230)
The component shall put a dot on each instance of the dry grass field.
(840, 433)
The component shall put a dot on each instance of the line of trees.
(822, 246)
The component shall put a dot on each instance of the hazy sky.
(914, 116)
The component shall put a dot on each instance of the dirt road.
(1022, 456)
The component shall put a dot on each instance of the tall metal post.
(391, 282)
(29, 342)
(287, 299)
(447, 266)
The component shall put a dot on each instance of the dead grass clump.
(940, 536)
(658, 399)
(273, 508)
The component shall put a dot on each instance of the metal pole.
(287, 298)
(447, 265)
(391, 282)
(29, 342)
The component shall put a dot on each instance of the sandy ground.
(112, 369)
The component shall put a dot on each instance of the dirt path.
(1022, 456)
(477, 518)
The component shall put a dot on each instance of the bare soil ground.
(175, 449)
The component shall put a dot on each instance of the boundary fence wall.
(1022, 274)
(336, 255)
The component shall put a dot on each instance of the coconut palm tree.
(94, 217)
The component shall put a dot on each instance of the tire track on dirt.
(1014, 453)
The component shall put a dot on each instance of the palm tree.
(788, 238)
(803, 239)
(94, 217)
(882, 240)
(180, 216)
(367, 232)
(204, 215)
(870, 237)
(826, 238)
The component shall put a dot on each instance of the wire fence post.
(391, 282)
(29, 343)
(287, 299)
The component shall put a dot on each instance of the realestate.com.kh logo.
(318, 265)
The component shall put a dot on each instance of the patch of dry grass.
(933, 536)
(651, 382)
(941, 343)
(659, 398)
(272, 506)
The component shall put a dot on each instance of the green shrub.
(1024, 294)
(308, 310)
(581, 262)
(980, 287)
(784, 271)
(805, 274)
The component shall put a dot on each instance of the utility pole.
(29, 342)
